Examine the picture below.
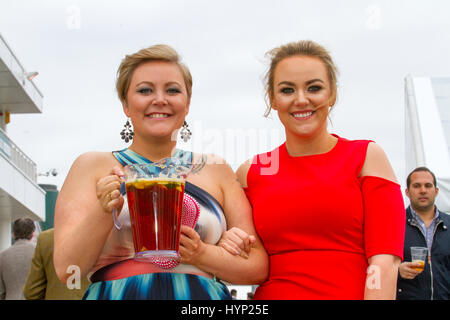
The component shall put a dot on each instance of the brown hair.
(425, 169)
(159, 52)
(300, 48)
(23, 228)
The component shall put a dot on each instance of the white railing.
(16, 68)
(11, 151)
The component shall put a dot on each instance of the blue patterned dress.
(117, 276)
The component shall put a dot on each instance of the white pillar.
(5, 231)
(2, 119)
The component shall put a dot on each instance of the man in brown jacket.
(42, 282)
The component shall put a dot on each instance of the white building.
(20, 195)
(427, 126)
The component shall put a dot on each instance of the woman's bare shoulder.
(91, 165)
(242, 172)
(377, 163)
(209, 161)
(94, 159)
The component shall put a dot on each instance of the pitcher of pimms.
(155, 197)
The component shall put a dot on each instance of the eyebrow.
(314, 80)
(151, 83)
(307, 82)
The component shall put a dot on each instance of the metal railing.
(17, 157)
(16, 68)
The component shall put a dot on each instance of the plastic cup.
(419, 254)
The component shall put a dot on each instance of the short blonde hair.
(300, 48)
(159, 52)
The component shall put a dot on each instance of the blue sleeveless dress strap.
(166, 285)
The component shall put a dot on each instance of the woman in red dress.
(328, 210)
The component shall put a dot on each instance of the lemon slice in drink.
(140, 184)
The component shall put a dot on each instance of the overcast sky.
(77, 46)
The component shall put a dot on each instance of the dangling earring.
(328, 116)
(185, 133)
(127, 133)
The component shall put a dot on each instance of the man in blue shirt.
(427, 227)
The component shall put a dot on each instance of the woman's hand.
(191, 246)
(237, 242)
(108, 191)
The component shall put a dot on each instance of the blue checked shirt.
(428, 232)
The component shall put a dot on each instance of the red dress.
(320, 223)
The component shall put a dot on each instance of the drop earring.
(127, 133)
(185, 133)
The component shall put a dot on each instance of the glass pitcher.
(155, 194)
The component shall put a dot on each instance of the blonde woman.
(155, 90)
(331, 216)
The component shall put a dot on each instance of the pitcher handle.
(117, 224)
